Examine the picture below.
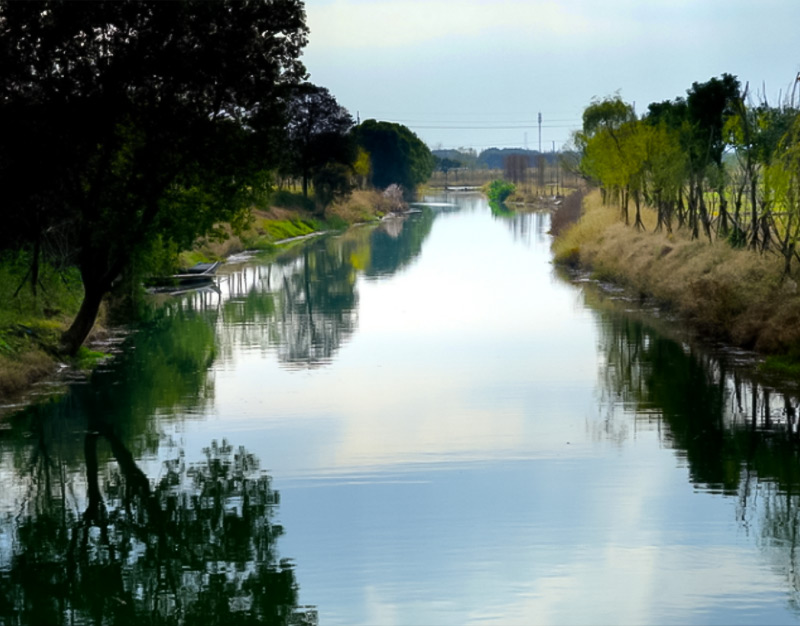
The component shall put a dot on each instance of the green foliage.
(499, 190)
(709, 159)
(708, 105)
(784, 365)
(606, 115)
(58, 290)
(397, 155)
(278, 230)
(336, 222)
(318, 141)
(330, 182)
(87, 359)
(286, 199)
(164, 129)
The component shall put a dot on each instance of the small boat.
(195, 276)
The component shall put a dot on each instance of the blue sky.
(475, 73)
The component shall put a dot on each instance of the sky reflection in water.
(457, 437)
(459, 458)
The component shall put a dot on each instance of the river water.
(416, 423)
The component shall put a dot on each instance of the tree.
(162, 118)
(606, 115)
(602, 120)
(397, 154)
(515, 168)
(708, 105)
(317, 133)
(444, 165)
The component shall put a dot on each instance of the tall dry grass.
(727, 294)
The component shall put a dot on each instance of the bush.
(499, 190)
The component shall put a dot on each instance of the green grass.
(277, 230)
(335, 222)
(785, 365)
(87, 359)
(31, 324)
(190, 258)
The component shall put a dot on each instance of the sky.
(476, 73)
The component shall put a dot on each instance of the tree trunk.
(693, 221)
(754, 213)
(82, 325)
(704, 216)
(638, 224)
(625, 206)
(681, 209)
(723, 214)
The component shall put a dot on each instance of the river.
(416, 423)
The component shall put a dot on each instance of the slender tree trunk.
(723, 214)
(638, 224)
(754, 212)
(660, 208)
(681, 209)
(693, 221)
(625, 198)
(82, 325)
(704, 216)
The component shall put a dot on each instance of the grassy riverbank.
(31, 324)
(731, 295)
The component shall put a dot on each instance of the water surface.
(419, 423)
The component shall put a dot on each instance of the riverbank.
(728, 295)
(31, 323)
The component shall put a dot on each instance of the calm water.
(413, 424)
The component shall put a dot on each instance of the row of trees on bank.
(714, 162)
(129, 127)
(325, 148)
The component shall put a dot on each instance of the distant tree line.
(132, 127)
(495, 158)
(714, 161)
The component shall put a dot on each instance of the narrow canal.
(417, 423)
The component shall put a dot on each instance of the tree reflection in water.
(197, 547)
(304, 306)
(739, 436)
(86, 536)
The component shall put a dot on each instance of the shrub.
(499, 190)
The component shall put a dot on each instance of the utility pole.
(540, 132)
(556, 164)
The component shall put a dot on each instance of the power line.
(515, 127)
(481, 122)
(493, 144)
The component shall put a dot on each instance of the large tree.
(156, 119)
(398, 156)
(317, 132)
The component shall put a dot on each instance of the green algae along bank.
(732, 295)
